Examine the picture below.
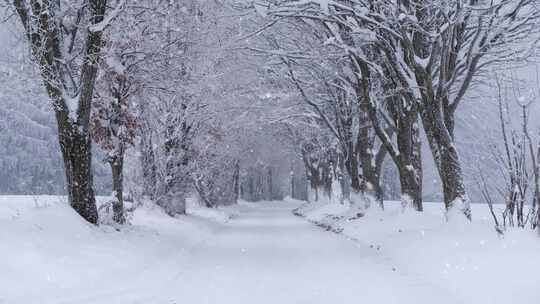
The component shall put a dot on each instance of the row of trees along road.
(388, 65)
(346, 83)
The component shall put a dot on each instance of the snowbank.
(220, 214)
(471, 260)
(47, 251)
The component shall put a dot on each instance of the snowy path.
(264, 254)
(267, 255)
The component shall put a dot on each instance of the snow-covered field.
(260, 253)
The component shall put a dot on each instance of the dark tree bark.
(77, 156)
(407, 158)
(410, 160)
(446, 157)
(352, 165)
(236, 181)
(148, 163)
(407, 155)
(370, 162)
(45, 38)
(292, 178)
(312, 174)
(270, 190)
(436, 110)
(117, 166)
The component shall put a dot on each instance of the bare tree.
(114, 123)
(518, 160)
(66, 40)
(322, 76)
(431, 49)
(401, 118)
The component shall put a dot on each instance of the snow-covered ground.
(48, 254)
(258, 253)
(469, 260)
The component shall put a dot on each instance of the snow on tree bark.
(42, 25)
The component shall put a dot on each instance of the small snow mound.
(221, 215)
(458, 213)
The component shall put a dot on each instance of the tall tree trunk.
(371, 162)
(446, 158)
(269, 181)
(327, 179)
(148, 163)
(293, 192)
(46, 41)
(437, 114)
(370, 182)
(77, 155)
(379, 163)
(410, 161)
(117, 166)
(343, 178)
(407, 156)
(314, 182)
(352, 170)
(312, 175)
(236, 181)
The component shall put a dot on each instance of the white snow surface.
(466, 259)
(258, 253)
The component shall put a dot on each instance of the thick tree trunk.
(371, 166)
(437, 116)
(407, 156)
(371, 162)
(77, 155)
(446, 158)
(44, 35)
(410, 161)
(371, 177)
(117, 166)
(350, 153)
(411, 190)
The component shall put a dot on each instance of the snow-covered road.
(264, 254)
(267, 255)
